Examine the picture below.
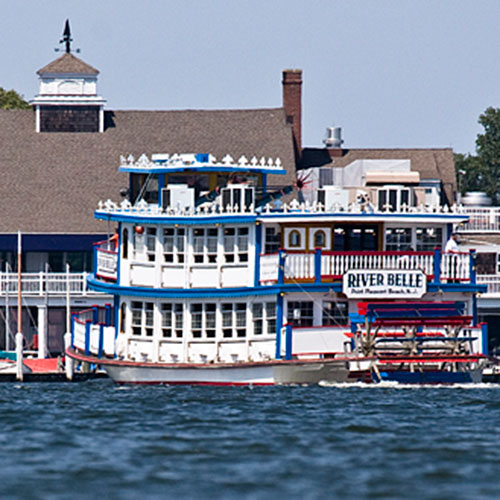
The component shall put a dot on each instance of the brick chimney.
(292, 102)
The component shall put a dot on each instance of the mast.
(19, 295)
(7, 307)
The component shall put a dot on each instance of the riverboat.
(219, 278)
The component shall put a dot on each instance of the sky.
(391, 73)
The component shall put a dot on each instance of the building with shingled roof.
(60, 159)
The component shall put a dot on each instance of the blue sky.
(391, 73)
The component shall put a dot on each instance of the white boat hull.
(263, 373)
(250, 375)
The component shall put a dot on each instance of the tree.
(10, 99)
(482, 172)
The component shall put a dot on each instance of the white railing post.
(19, 356)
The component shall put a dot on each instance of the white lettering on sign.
(384, 284)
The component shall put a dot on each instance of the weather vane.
(66, 39)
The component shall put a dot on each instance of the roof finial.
(67, 37)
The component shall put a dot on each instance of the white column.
(37, 118)
(158, 256)
(42, 332)
(101, 119)
(156, 330)
(220, 254)
(189, 258)
(186, 331)
(69, 364)
(19, 356)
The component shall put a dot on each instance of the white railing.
(299, 266)
(455, 266)
(93, 342)
(145, 209)
(192, 161)
(199, 351)
(336, 264)
(40, 284)
(492, 281)
(481, 220)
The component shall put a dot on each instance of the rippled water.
(96, 439)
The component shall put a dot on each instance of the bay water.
(100, 440)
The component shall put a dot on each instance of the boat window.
(398, 238)
(125, 243)
(264, 318)
(393, 199)
(123, 317)
(234, 320)
(203, 320)
(205, 245)
(236, 244)
(273, 240)
(300, 313)
(355, 238)
(172, 320)
(294, 239)
(319, 239)
(257, 318)
(151, 243)
(174, 245)
(428, 238)
(334, 313)
(142, 318)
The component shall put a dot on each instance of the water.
(96, 439)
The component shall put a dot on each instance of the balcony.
(321, 267)
(481, 220)
(42, 284)
(493, 283)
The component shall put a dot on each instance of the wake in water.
(397, 385)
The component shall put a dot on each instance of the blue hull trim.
(114, 289)
(177, 293)
(429, 377)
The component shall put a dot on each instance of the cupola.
(67, 100)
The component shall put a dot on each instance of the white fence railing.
(40, 284)
(481, 220)
(452, 267)
(455, 266)
(492, 281)
(338, 265)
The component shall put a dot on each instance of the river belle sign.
(396, 284)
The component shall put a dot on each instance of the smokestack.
(292, 103)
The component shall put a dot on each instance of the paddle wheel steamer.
(218, 278)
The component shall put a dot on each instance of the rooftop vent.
(333, 137)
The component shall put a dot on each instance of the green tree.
(10, 99)
(482, 171)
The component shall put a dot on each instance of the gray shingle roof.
(68, 63)
(52, 182)
(432, 163)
